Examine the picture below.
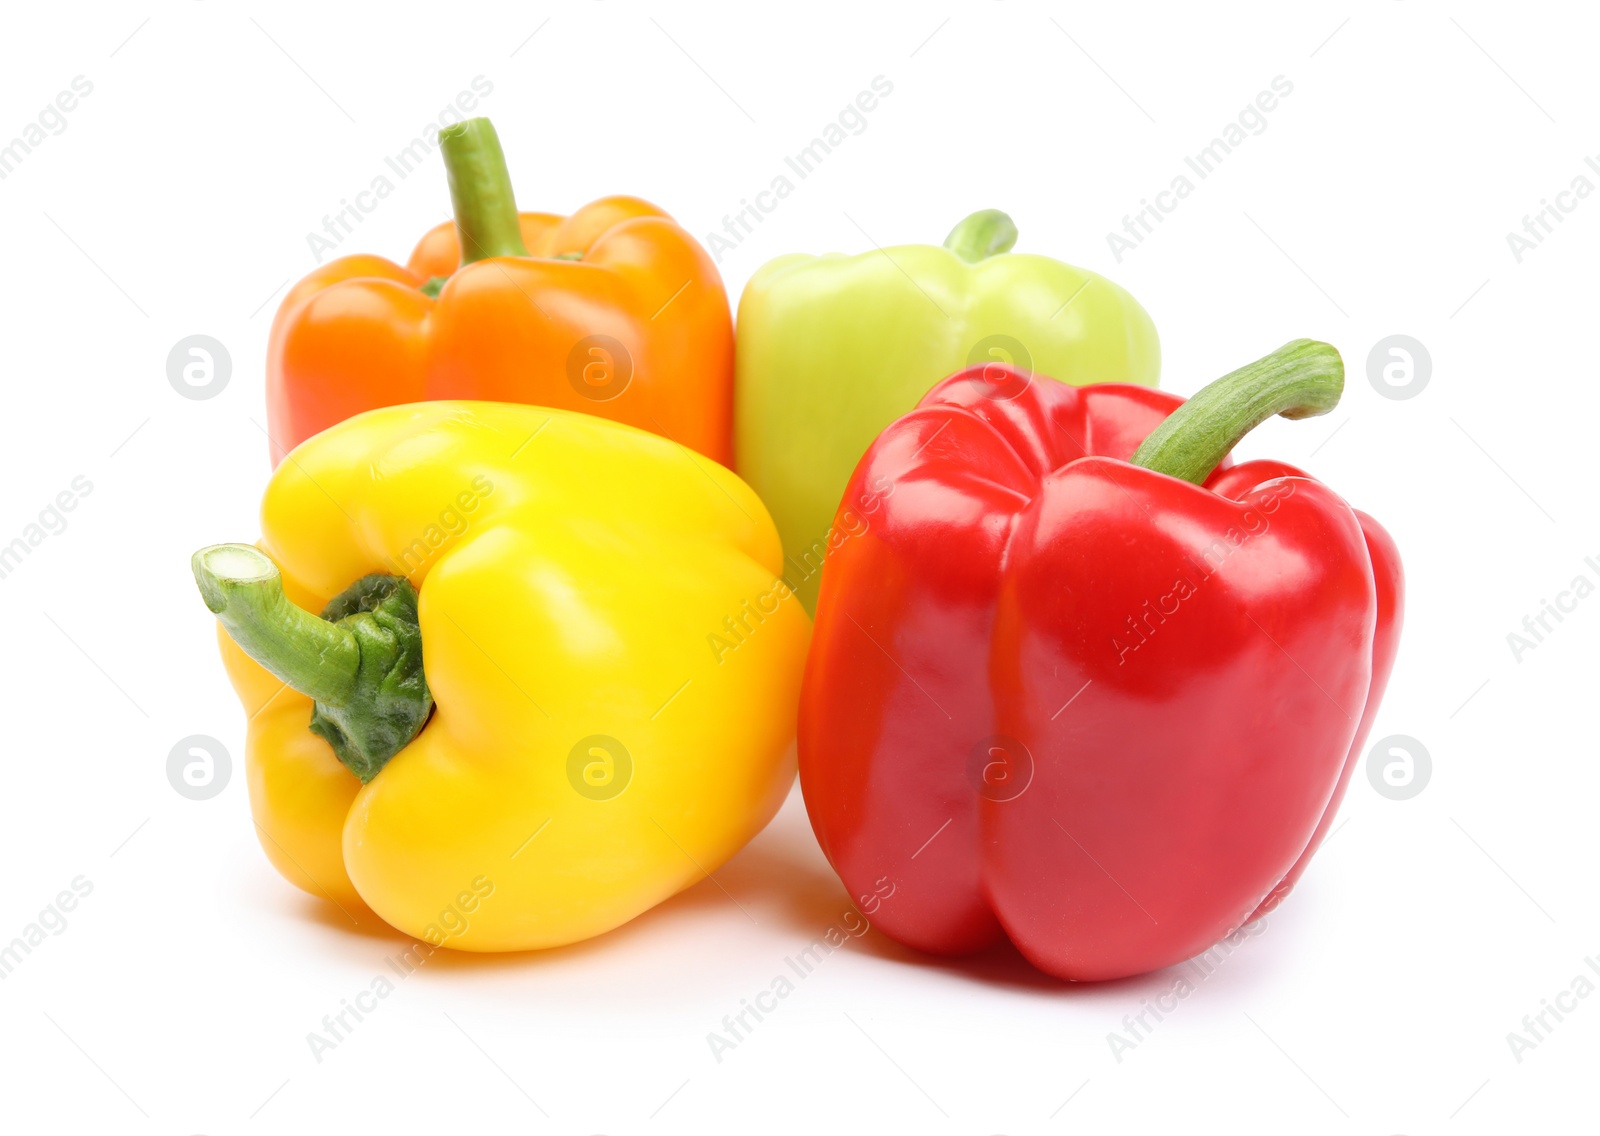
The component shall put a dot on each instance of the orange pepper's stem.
(480, 191)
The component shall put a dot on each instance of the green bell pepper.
(831, 349)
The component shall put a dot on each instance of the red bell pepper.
(1073, 683)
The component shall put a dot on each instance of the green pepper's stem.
(360, 663)
(1301, 379)
(986, 233)
(244, 589)
(480, 191)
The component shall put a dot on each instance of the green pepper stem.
(480, 191)
(986, 233)
(1301, 379)
(244, 589)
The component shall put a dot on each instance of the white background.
(1378, 999)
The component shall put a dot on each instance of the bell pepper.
(614, 311)
(1077, 682)
(523, 715)
(832, 349)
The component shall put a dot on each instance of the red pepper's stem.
(986, 233)
(1301, 379)
(480, 191)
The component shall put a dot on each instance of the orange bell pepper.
(614, 311)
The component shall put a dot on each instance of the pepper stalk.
(1301, 379)
(980, 235)
(360, 663)
(485, 207)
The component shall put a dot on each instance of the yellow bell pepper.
(554, 681)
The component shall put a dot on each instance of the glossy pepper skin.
(614, 311)
(831, 349)
(1059, 697)
(589, 753)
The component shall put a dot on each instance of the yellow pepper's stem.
(360, 663)
(244, 589)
